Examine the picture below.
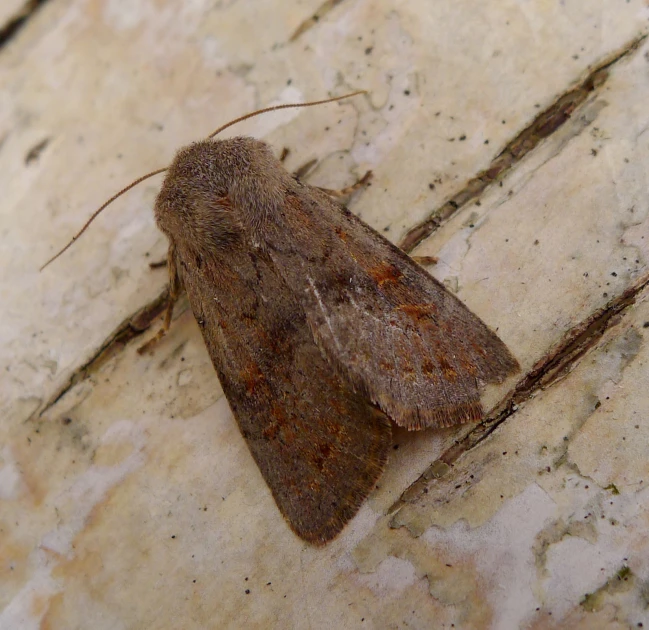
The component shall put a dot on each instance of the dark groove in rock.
(544, 125)
(13, 26)
(132, 327)
(310, 22)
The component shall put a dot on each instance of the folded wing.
(320, 445)
(394, 331)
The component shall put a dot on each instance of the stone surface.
(133, 502)
(12, 10)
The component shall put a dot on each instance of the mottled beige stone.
(133, 501)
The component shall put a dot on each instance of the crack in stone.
(131, 327)
(35, 152)
(547, 371)
(15, 24)
(310, 22)
(543, 126)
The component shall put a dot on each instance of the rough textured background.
(508, 138)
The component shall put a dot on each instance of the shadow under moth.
(321, 331)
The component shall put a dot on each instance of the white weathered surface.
(133, 501)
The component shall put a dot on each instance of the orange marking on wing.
(385, 273)
(417, 312)
(280, 426)
(325, 449)
(337, 431)
(470, 368)
(252, 377)
(447, 369)
(408, 372)
(314, 486)
(321, 458)
(430, 371)
(337, 406)
(478, 349)
(276, 424)
(428, 368)
(270, 432)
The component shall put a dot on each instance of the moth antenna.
(94, 215)
(286, 106)
(162, 170)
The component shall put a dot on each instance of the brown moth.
(321, 331)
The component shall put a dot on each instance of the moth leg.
(174, 293)
(303, 171)
(424, 261)
(158, 263)
(346, 192)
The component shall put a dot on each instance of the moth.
(321, 331)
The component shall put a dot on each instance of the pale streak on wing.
(316, 293)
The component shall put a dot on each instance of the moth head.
(193, 207)
(218, 193)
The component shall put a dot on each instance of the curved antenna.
(94, 215)
(287, 106)
(162, 170)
